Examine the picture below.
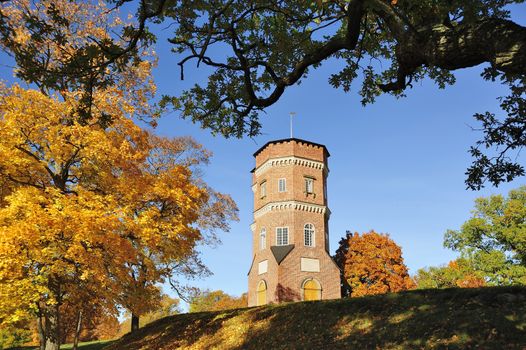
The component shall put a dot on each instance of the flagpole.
(291, 114)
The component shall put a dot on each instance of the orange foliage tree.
(371, 263)
(216, 300)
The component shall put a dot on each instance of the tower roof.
(291, 139)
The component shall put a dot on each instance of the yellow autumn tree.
(78, 49)
(93, 209)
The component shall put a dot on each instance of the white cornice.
(253, 227)
(291, 205)
(291, 160)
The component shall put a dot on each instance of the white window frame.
(263, 267)
(263, 189)
(281, 234)
(309, 185)
(284, 187)
(263, 239)
(311, 232)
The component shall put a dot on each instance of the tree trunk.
(77, 331)
(134, 322)
(52, 328)
(41, 337)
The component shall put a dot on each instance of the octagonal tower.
(291, 260)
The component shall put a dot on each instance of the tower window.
(282, 185)
(263, 239)
(282, 235)
(309, 235)
(263, 189)
(309, 185)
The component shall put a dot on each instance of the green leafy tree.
(264, 47)
(268, 46)
(458, 273)
(494, 238)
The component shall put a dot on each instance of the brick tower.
(290, 230)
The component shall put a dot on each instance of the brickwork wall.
(270, 277)
(285, 280)
(291, 277)
(294, 176)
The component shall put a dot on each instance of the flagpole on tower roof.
(291, 114)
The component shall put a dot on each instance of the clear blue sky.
(396, 166)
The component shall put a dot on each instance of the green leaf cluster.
(494, 238)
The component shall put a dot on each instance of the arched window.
(261, 298)
(311, 289)
(309, 235)
(263, 239)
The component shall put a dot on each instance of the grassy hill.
(486, 318)
(92, 345)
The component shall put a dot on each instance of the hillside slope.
(486, 318)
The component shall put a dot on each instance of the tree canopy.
(257, 49)
(458, 273)
(93, 213)
(494, 238)
(216, 300)
(371, 263)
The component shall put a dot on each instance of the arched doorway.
(261, 298)
(311, 289)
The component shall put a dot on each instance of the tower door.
(311, 290)
(261, 294)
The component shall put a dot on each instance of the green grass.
(485, 318)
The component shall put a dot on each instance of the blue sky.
(396, 166)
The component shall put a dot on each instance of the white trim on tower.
(291, 205)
